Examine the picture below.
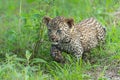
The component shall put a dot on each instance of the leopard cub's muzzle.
(54, 39)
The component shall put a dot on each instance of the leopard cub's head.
(58, 28)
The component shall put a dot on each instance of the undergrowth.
(25, 48)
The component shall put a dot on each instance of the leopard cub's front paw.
(59, 60)
(57, 56)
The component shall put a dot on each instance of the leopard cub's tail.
(101, 33)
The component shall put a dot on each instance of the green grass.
(25, 48)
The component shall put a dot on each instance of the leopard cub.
(66, 36)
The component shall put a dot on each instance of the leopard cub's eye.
(49, 30)
(59, 31)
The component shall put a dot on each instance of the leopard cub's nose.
(53, 37)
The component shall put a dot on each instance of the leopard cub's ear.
(46, 20)
(70, 22)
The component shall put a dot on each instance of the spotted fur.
(73, 38)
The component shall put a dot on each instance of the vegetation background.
(24, 45)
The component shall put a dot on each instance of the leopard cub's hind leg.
(86, 56)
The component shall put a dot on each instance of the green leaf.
(38, 60)
(28, 54)
(30, 1)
